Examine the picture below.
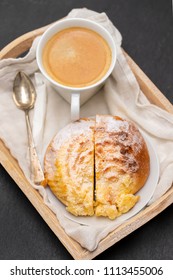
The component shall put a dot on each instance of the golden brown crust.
(69, 167)
(122, 164)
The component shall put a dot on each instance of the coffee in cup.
(77, 57)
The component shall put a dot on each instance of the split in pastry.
(97, 166)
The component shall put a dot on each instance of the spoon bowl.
(24, 93)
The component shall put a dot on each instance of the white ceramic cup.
(75, 96)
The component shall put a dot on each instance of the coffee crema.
(77, 57)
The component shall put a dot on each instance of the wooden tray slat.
(16, 48)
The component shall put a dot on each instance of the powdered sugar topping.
(121, 141)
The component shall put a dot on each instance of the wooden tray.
(16, 48)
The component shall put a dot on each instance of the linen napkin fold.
(121, 96)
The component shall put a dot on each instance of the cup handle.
(75, 106)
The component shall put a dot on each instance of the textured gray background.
(147, 29)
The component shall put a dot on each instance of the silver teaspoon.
(24, 96)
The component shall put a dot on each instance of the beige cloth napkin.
(121, 96)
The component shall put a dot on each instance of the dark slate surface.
(147, 29)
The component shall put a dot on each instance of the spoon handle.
(36, 170)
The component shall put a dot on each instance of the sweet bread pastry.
(69, 167)
(96, 166)
(121, 165)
